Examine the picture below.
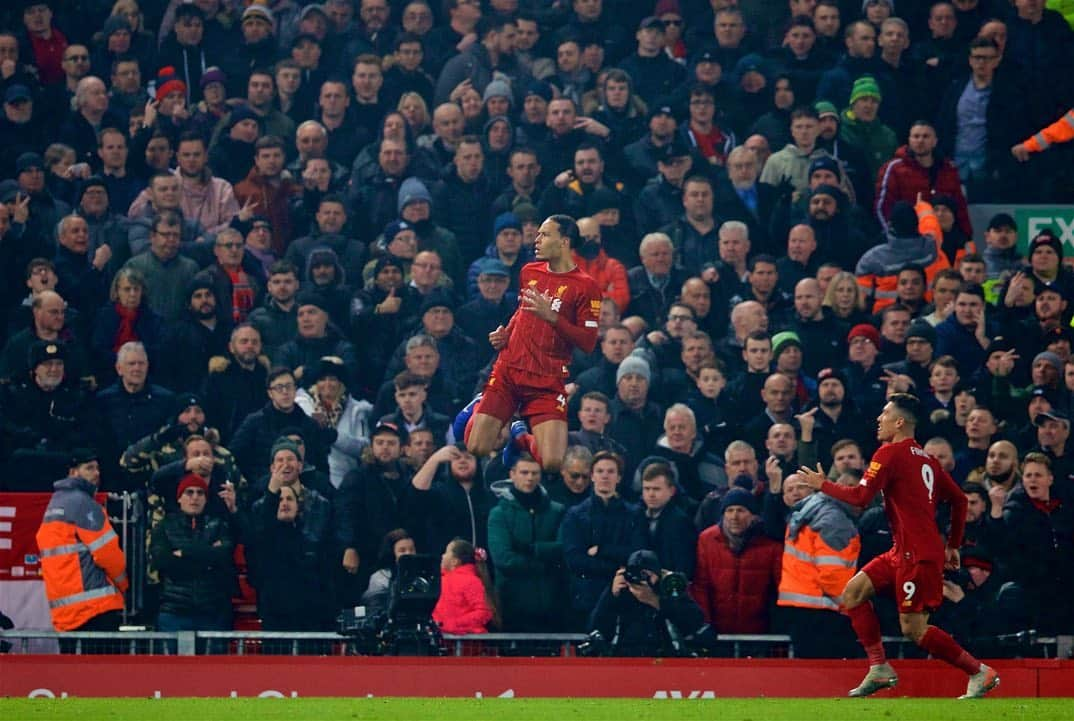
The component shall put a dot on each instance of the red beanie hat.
(866, 331)
(168, 82)
(191, 480)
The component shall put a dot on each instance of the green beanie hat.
(823, 107)
(865, 87)
(784, 339)
(283, 443)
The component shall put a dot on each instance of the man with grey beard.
(44, 420)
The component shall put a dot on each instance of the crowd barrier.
(564, 645)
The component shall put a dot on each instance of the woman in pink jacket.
(467, 600)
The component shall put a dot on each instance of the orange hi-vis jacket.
(820, 554)
(1061, 131)
(84, 568)
(880, 284)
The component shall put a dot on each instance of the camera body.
(407, 629)
(636, 574)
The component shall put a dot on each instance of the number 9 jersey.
(912, 483)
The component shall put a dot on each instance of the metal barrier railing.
(127, 514)
(242, 643)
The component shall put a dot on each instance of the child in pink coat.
(467, 603)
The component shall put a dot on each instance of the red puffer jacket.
(902, 178)
(734, 591)
(462, 607)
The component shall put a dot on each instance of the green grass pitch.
(425, 709)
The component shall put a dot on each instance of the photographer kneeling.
(647, 612)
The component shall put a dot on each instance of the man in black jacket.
(654, 283)
(637, 619)
(669, 532)
(44, 419)
(254, 438)
(189, 343)
(375, 498)
(458, 504)
(236, 383)
(131, 406)
(598, 535)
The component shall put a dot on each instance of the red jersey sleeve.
(586, 311)
(876, 477)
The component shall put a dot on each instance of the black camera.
(416, 588)
(636, 574)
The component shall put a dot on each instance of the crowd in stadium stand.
(252, 254)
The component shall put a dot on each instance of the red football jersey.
(539, 347)
(912, 482)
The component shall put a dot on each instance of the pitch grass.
(428, 709)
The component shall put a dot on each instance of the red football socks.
(867, 627)
(940, 644)
(529, 443)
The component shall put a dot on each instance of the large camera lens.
(673, 585)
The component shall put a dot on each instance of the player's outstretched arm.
(859, 495)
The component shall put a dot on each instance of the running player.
(559, 306)
(912, 482)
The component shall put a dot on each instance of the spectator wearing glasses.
(164, 270)
(254, 438)
(74, 64)
(238, 282)
(192, 552)
(573, 484)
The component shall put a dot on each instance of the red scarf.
(1047, 507)
(242, 295)
(125, 333)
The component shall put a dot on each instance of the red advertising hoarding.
(356, 676)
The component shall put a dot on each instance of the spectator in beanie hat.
(506, 246)
(865, 376)
(787, 354)
(1000, 252)
(192, 553)
(1046, 262)
(862, 128)
(382, 314)
(231, 154)
(735, 554)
